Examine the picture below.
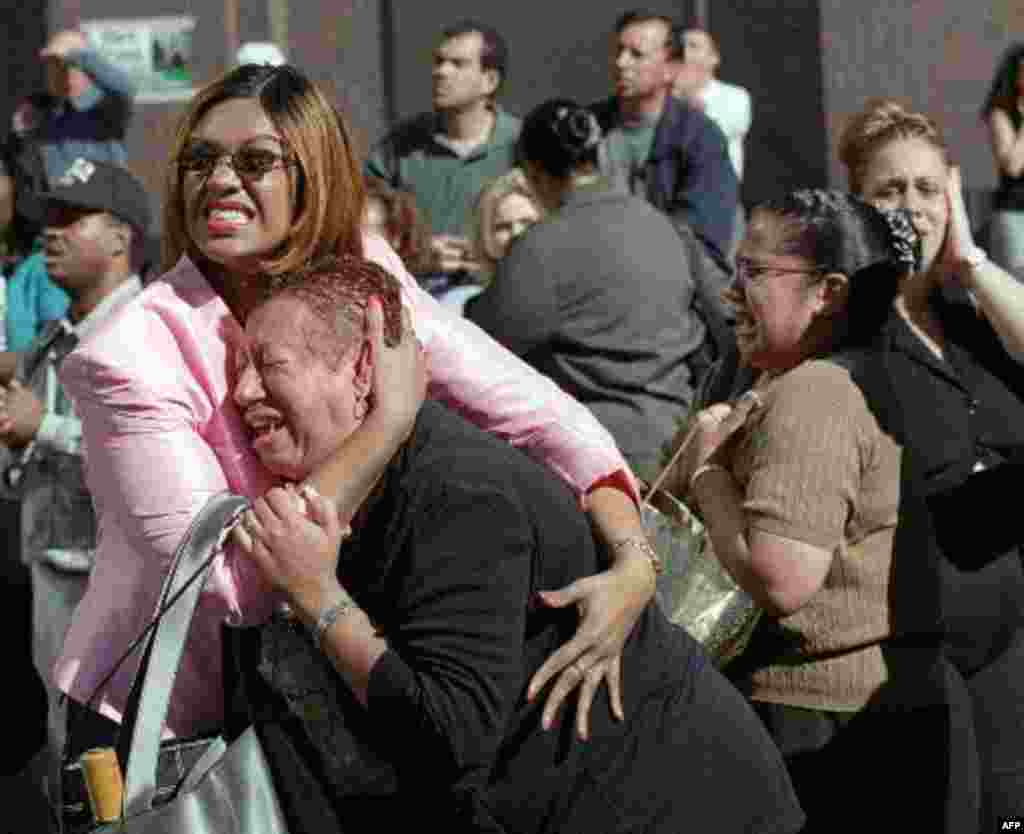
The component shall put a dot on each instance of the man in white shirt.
(727, 105)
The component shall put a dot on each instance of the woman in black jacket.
(952, 351)
(395, 688)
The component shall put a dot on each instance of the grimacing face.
(297, 404)
(912, 174)
(777, 300)
(234, 220)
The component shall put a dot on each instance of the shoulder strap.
(146, 711)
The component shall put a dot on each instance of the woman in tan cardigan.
(800, 485)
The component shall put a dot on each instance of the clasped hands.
(451, 253)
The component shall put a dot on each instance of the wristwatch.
(975, 257)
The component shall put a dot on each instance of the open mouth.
(228, 215)
(222, 217)
(263, 430)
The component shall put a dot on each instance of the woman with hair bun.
(802, 488)
(599, 295)
(1003, 114)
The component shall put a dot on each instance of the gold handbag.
(694, 590)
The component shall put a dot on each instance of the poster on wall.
(155, 51)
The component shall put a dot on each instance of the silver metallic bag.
(694, 590)
(230, 789)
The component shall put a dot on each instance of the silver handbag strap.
(146, 711)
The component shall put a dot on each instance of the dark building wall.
(773, 50)
(341, 43)
(934, 56)
(23, 29)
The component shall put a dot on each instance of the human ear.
(119, 237)
(834, 293)
(362, 370)
(492, 78)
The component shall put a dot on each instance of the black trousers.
(997, 698)
(25, 697)
(885, 766)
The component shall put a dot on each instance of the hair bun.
(577, 130)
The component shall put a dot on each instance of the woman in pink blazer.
(263, 180)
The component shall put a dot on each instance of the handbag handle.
(683, 446)
(146, 710)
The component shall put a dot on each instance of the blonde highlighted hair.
(485, 210)
(328, 184)
(880, 122)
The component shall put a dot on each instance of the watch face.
(976, 257)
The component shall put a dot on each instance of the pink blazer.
(162, 435)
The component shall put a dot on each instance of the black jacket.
(689, 175)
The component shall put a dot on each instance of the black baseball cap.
(102, 186)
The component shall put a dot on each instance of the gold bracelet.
(329, 616)
(705, 467)
(641, 544)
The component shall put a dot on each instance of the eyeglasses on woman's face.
(750, 273)
(250, 162)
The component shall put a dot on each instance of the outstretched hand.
(609, 605)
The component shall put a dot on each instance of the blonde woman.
(956, 341)
(504, 210)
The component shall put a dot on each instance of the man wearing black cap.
(96, 217)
